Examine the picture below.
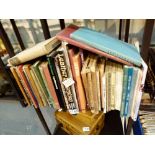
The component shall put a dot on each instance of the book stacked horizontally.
(79, 70)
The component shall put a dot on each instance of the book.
(36, 51)
(133, 89)
(49, 84)
(65, 35)
(84, 72)
(21, 87)
(95, 84)
(65, 50)
(75, 61)
(101, 67)
(55, 79)
(89, 83)
(108, 44)
(26, 85)
(63, 75)
(35, 68)
(43, 98)
(119, 86)
(26, 70)
(128, 90)
(50, 98)
(125, 76)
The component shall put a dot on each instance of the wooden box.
(82, 123)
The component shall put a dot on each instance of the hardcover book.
(75, 61)
(38, 50)
(26, 70)
(21, 87)
(49, 84)
(27, 85)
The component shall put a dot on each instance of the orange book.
(75, 62)
(21, 87)
(50, 85)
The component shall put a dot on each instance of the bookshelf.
(47, 35)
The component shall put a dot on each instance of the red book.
(64, 35)
(26, 85)
(50, 84)
(75, 62)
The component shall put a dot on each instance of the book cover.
(108, 44)
(26, 70)
(119, 86)
(95, 83)
(75, 61)
(50, 98)
(128, 90)
(35, 68)
(55, 79)
(65, 34)
(84, 72)
(43, 98)
(67, 62)
(49, 84)
(36, 51)
(27, 85)
(125, 76)
(101, 66)
(21, 87)
(133, 89)
(62, 69)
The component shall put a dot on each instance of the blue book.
(108, 44)
(128, 90)
(125, 76)
(133, 85)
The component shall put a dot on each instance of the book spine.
(90, 92)
(39, 86)
(104, 99)
(75, 61)
(41, 82)
(119, 86)
(26, 97)
(98, 92)
(31, 82)
(56, 82)
(69, 105)
(50, 86)
(50, 98)
(128, 90)
(125, 76)
(64, 46)
(27, 86)
(113, 87)
(36, 83)
(64, 75)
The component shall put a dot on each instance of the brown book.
(101, 66)
(75, 61)
(26, 69)
(84, 75)
(49, 84)
(21, 87)
(95, 84)
(27, 85)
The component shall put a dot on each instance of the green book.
(51, 101)
(35, 68)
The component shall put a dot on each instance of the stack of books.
(80, 70)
